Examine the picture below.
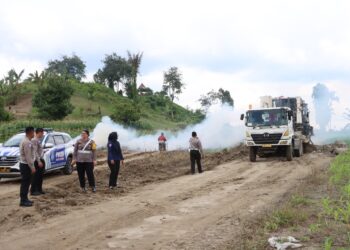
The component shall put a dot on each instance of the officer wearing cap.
(26, 166)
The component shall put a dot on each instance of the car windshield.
(14, 141)
(268, 117)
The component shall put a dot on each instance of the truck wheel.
(68, 169)
(289, 153)
(252, 154)
(300, 151)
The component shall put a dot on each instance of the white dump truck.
(280, 126)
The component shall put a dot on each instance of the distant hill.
(92, 101)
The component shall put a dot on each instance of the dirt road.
(159, 207)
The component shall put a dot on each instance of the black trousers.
(37, 179)
(113, 177)
(195, 157)
(88, 168)
(26, 174)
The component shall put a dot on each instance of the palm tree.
(12, 80)
(135, 62)
(37, 78)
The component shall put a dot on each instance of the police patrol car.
(58, 153)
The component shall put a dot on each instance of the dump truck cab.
(281, 126)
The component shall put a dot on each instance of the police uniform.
(196, 152)
(26, 165)
(85, 155)
(37, 181)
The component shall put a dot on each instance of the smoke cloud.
(221, 129)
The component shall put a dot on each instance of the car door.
(58, 155)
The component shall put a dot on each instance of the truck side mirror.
(290, 115)
(242, 117)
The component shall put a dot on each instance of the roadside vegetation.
(58, 97)
(317, 213)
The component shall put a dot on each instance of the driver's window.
(50, 140)
(59, 139)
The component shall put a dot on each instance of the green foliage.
(10, 86)
(73, 127)
(115, 71)
(328, 244)
(126, 114)
(283, 218)
(4, 115)
(173, 84)
(53, 99)
(213, 97)
(134, 61)
(297, 201)
(71, 67)
(339, 209)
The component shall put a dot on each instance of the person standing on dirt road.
(196, 153)
(115, 158)
(37, 180)
(26, 166)
(85, 157)
(162, 142)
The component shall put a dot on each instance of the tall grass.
(73, 127)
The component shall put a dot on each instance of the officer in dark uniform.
(26, 166)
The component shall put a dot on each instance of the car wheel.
(68, 169)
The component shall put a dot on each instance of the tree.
(212, 97)
(91, 95)
(4, 115)
(116, 70)
(323, 100)
(72, 67)
(135, 62)
(126, 114)
(52, 100)
(173, 85)
(37, 77)
(12, 80)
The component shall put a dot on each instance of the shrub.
(126, 113)
(53, 99)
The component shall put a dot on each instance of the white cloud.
(251, 48)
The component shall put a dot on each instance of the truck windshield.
(14, 141)
(269, 117)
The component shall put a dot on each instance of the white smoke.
(221, 129)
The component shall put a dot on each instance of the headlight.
(247, 134)
(286, 133)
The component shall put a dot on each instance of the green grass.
(317, 213)
(155, 112)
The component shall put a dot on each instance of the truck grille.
(266, 138)
(8, 160)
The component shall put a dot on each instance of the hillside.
(91, 102)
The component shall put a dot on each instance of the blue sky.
(251, 48)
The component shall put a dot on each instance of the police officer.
(115, 157)
(37, 181)
(196, 153)
(85, 158)
(26, 166)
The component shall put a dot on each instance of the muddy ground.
(159, 205)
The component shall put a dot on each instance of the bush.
(126, 113)
(4, 115)
(53, 99)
